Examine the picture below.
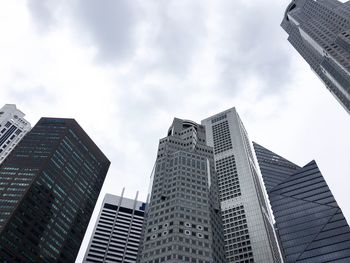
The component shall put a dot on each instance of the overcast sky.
(124, 69)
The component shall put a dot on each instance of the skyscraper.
(274, 168)
(12, 129)
(183, 220)
(49, 185)
(320, 31)
(117, 233)
(248, 227)
(311, 226)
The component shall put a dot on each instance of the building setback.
(248, 228)
(311, 226)
(49, 185)
(320, 31)
(116, 237)
(13, 127)
(183, 220)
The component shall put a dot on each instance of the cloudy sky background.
(124, 69)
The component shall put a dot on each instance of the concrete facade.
(117, 233)
(183, 221)
(13, 127)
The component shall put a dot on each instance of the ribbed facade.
(320, 31)
(116, 237)
(274, 168)
(13, 127)
(311, 226)
(49, 185)
(183, 220)
(248, 227)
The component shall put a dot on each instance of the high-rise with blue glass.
(49, 185)
(310, 224)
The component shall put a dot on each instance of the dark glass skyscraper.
(311, 226)
(320, 31)
(183, 219)
(274, 168)
(49, 185)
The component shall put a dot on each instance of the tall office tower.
(274, 168)
(49, 185)
(117, 233)
(311, 226)
(248, 227)
(183, 220)
(320, 31)
(12, 129)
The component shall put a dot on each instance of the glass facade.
(310, 224)
(49, 186)
(248, 228)
(274, 168)
(320, 31)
